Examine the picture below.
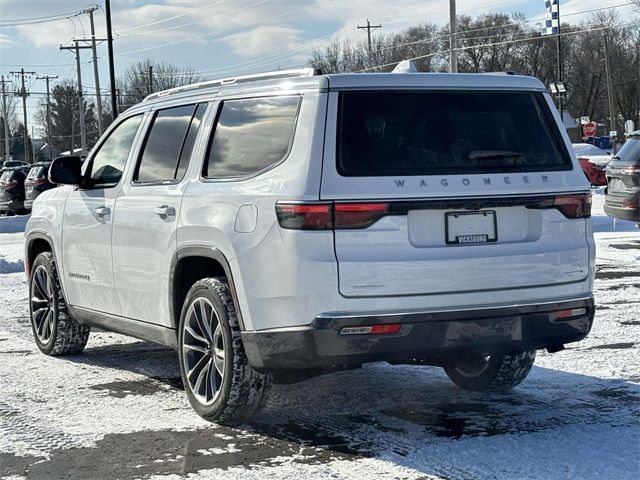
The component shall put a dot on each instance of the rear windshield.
(432, 133)
(630, 152)
(35, 172)
(6, 176)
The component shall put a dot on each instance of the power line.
(190, 12)
(36, 20)
(433, 54)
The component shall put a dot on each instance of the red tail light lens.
(40, 181)
(305, 216)
(573, 206)
(358, 215)
(633, 204)
(384, 329)
(10, 185)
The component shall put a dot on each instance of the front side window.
(251, 135)
(167, 149)
(109, 161)
(446, 132)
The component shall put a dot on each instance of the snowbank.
(7, 266)
(13, 224)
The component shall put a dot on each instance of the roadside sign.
(613, 133)
(584, 120)
(589, 129)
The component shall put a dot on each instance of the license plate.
(471, 228)
(28, 191)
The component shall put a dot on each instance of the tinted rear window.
(630, 151)
(35, 172)
(434, 133)
(251, 135)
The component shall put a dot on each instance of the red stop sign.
(589, 129)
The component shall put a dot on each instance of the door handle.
(102, 211)
(164, 211)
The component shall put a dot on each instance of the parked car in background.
(13, 164)
(12, 190)
(37, 181)
(623, 182)
(593, 161)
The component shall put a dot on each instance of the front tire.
(220, 384)
(495, 371)
(54, 331)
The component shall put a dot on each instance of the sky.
(219, 38)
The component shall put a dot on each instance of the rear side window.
(167, 149)
(251, 135)
(434, 133)
(630, 152)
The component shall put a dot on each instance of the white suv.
(297, 223)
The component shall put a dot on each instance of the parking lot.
(118, 409)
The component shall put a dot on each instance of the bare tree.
(145, 77)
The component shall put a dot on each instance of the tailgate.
(446, 192)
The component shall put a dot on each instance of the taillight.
(631, 170)
(633, 204)
(358, 215)
(573, 206)
(10, 185)
(40, 181)
(326, 216)
(305, 216)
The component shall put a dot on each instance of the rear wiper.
(491, 154)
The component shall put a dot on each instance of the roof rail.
(301, 72)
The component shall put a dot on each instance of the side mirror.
(66, 171)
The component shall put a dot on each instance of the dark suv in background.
(12, 190)
(623, 182)
(37, 182)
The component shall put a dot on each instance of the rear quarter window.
(434, 133)
(251, 135)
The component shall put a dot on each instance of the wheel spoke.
(202, 376)
(195, 348)
(39, 286)
(41, 322)
(203, 319)
(219, 364)
(195, 335)
(212, 380)
(199, 365)
(37, 302)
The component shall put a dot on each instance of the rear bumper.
(423, 336)
(616, 211)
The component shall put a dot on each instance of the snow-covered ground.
(117, 411)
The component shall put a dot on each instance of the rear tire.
(494, 372)
(54, 331)
(220, 384)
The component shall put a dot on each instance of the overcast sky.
(224, 37)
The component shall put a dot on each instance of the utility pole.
(369, 28)
(612, 113)
(83, 139)
(150, 86)
(95, 68)
(23, 93)
(112, 75)
(453, 39)
(6, 120)
(558, 37)
(47, 78)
